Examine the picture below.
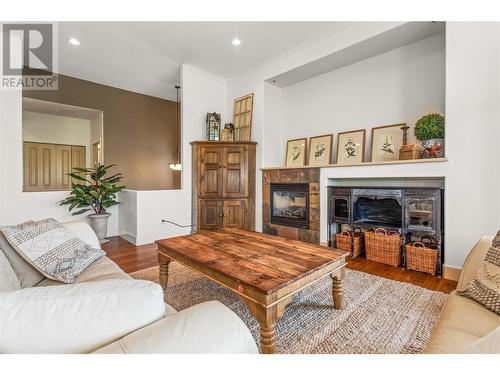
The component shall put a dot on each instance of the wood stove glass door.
(341, 207)
(421, 213)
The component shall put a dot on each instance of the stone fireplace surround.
(298, 175)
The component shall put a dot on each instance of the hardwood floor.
(133, 258)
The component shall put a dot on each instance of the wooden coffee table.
(265, 271)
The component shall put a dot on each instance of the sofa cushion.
(8, 278)
(489, 344)
(208, 327)
(76, 318)
(485, 287)
(102, 269)
(28, 276)
(462, 322)
(51, 248)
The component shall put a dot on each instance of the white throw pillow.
(51, 248)
(8, 278)
(76, 318)
(25, 272)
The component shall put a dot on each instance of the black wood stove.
(416, 213)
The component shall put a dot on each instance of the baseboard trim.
(451, 273)
(129, 237)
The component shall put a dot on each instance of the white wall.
(46, 128)
(267, 111)
(472, 112)
(472, 173)
(472, 135)
(202, 92)
(17, 206)
(395, 87)
(141, 211)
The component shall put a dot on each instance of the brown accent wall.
(139, 130)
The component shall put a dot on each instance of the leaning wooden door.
(211, 172)
(235, 174)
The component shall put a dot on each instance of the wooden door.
(211, 172)
(96, 147)
(48, 180)
(211, 212)
(78, 159)
(32, 163)
(63, 167)
(235, 176)
(234, 213)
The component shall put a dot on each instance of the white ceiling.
(145, 57)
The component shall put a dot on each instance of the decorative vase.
(434, 147)
(99, 223)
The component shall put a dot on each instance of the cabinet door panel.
(234, 172)
(78, 159)
(48, 167)
(211, 172)
(211, 214)
(234, 213)
(31, 167)
(63, 160)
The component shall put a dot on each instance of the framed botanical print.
(320, 150)
(386, 142)
(296, 152)
(351, 147)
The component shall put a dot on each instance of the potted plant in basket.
(96, 192)
(430, 130)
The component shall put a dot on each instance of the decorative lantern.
(227, 134)
(213, 126)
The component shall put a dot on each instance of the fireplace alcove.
(412, 207)
(301, 220)
(290, 204)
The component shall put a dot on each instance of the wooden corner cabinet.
(223, 185)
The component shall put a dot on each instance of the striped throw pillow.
(485, 287)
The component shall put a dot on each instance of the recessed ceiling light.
(236, 42)
(74, 41)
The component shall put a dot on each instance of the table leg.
(267, 321)
(267, 338)
(164, 262)
(338, 287)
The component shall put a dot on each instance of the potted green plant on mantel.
(429, 129)
(96, 192)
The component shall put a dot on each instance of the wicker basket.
(383, 247)
(421, 258)
(344, 242)
(408, 152)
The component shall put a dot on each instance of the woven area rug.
(379, 315)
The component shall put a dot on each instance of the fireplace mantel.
(364, 164)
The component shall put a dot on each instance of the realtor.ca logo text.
(29, 56)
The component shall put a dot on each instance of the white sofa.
(106, 311)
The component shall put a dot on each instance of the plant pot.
(99, 223)
(434, 142)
